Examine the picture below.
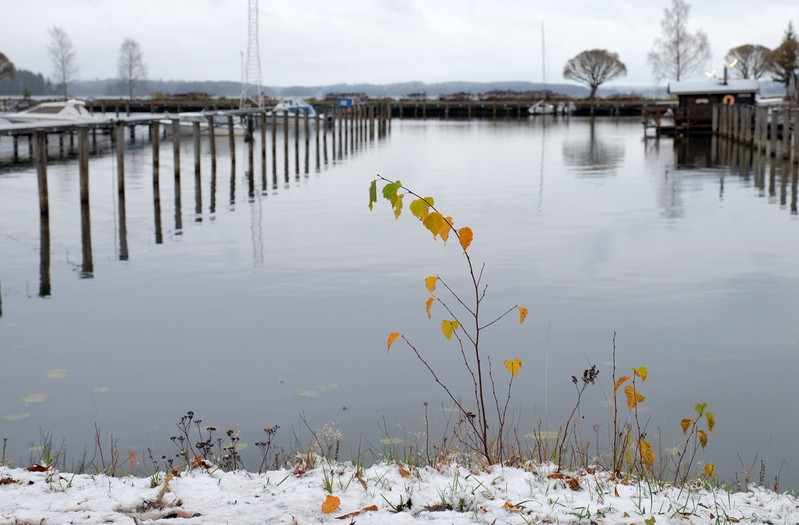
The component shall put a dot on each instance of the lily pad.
(57, 373)
(307, 393)
(16, 417)
(34, 398)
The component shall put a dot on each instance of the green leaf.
(372, 194)
(421, 207)
(700, 408)
(390, 192)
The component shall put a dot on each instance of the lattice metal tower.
(251, 74)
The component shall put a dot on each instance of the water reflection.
(44, 255)
(595, 156)
(773, 177)
(87, 265)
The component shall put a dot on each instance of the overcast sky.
(318, 42)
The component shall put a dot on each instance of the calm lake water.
(259, 302)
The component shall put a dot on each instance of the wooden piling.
(231, 140)
(83, 164)
(156, 145)
(773, 132)
(196, 135)
(40, 157)
(120, 146)
(785, 147)
(212, 141)
(176, 147)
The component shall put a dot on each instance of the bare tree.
(750, 60)
(593, 68)
(131, 67)
(62, 55)
(678, 53)
(783, 62)
(7, 69)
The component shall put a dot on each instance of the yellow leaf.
(393, 336)
(710, 469)
(702, 438)
(428, 304)
(633, 396)
(465, 236)
(398, 206)
(620, 381)
(641, 372)
(513, 366)
(711, 420)
(686, 424)
(508, 505)
(430, 283)
(522, 314)
(448, 327)
(437, 224)
(331, 504)
(444, 232)
(647, 454)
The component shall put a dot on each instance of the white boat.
(293, 107)
(62, 111)
(542, 108)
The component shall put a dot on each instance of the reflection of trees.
(594, 156)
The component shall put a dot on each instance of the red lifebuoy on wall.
(728, 100)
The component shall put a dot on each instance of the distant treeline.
(28, 83)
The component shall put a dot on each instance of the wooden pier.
(341, 133)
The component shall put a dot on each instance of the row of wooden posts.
(774, 131)
(347, 129)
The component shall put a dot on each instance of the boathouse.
(694, 111)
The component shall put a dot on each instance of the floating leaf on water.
(391, 441)
(16, 417)
(307, 393)
(57, 373)
(34, 398)
(101, 389)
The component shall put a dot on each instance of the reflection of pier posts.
(44, 256)
(123, 230)
(87, 268)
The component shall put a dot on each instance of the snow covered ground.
(387, 493)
